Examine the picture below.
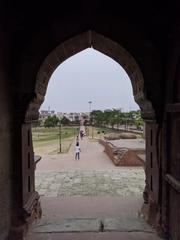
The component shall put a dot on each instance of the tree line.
(113, 118)
(53, 121)
(116, 118)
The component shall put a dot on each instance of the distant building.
(72, 116)
(46, 113)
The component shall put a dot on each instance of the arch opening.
(99, 152)
(106, 46)
(90, 39)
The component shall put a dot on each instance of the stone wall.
(5, 147)
(122, 156)
(32, 36)
(107, 149)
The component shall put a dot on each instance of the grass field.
(99, 132)
(47, 140)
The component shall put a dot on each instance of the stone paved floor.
(92, 157)
(94, 174)
(90, 207)
(91, 187)
(122, 210)
(96, 236)
(117, 182)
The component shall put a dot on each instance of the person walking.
(77, 151)
(81, 134)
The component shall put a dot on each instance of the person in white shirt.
(77, 151)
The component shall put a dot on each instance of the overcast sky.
(89, 76)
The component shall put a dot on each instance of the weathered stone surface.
(115, 136)
(123, 224)
(120, 182)
(127, 136)
(123, 156)
(130, 224)
(69, 225)
(97, 236)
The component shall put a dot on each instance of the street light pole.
(89, 107)
(92, 130)
(74, 132)
(90, 102)
(89, 113)
(60, 137)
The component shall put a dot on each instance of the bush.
(51, 121)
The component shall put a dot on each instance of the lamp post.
(89, 107)
(74, 132)
(59, 124)
(89, 113)
(90, 102)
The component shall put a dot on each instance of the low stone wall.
(108, 148)
(123, 156)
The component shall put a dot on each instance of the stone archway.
(102, 44)
(91, 39)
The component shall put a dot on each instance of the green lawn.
(47, 140)
(99, 132)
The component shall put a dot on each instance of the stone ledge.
(123, 156)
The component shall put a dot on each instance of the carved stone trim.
(174, 183)
(32, 209)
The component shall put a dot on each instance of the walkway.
(93, 175)
(92, 157)
(116, 182)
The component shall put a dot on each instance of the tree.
(51, 121)
(138, 119)
(114, 117)
(96, 117)
(107, 117)
(65, 121)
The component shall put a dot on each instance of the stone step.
(126, 224)
(130, 224)
(68, 225)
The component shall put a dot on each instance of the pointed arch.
(90, 39)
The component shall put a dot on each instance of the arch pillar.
(151, 209)
(26, 207)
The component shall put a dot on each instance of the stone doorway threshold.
(93, 229)
(91, 218)
(92, 225)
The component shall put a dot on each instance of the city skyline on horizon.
(49, 109)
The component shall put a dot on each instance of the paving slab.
(94, 236)
(126, 224)
(118, 182)
(68, 225)
(138, 143)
